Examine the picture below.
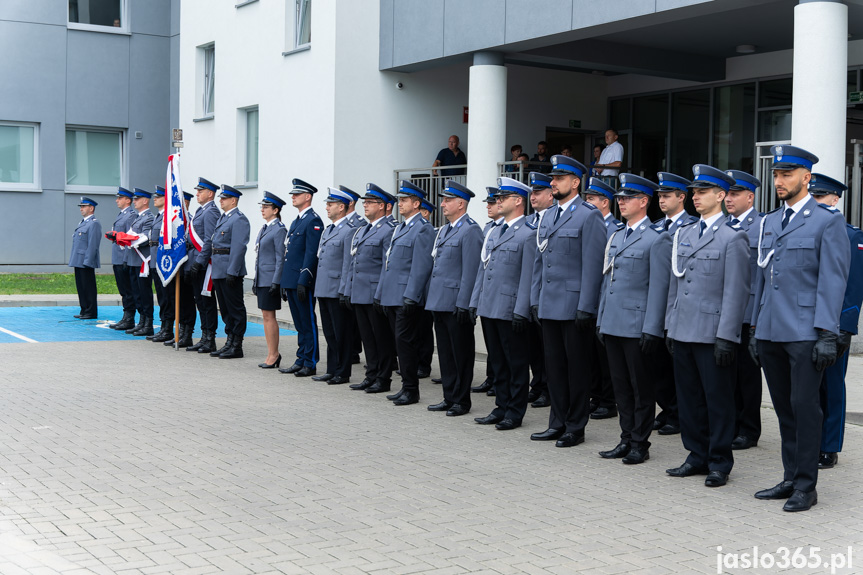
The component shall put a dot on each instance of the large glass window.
(734, 127)
(251, 146)
(650, 130)
(619, 114)
(18, 156)
(108, 13)
(774, 125)
(304, 23)
(690, 130)
(209, 80)
(93, 158)
(774, 93)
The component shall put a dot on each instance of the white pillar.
(820, 74)
(486, 130)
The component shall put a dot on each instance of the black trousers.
(494, 367)
(537, 358)
(160, 295)
(132, 272)
(145, 294)
(232, 306)
(747, 391)
(206, 305)
(705, 393)
(660, 366)
(124, 286)
(512, 388)
(187, 301)
(357, 339)
(339, 333)
(426, 349)
(408, 335)
(794, 386)
(378, 340)
(456, 350)
(85, 284)
(569, 356)
(601, 388)
(636, 404)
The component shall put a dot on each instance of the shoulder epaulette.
(588, 205)
(471, 222)
(830, 209)
(390, 223)
(774, 210)
(692, 220)
(660, 221)
(530, 225)
(736, 228)
(280, 223)
(620, 225)
(762, 214)
(658, 225)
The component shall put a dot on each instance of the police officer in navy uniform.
(368, 247)
(230, 239)
(402, 287)
(203, 224)
(137, 259)
(298, 278)
(828, 191)
(564, 297)
(540, 200)
(455, 252)
(747, 389)
(631, 320)
(706, 301)
(84, 258)
(123, 223)
(803, 260)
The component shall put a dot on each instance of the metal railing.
(433, 182)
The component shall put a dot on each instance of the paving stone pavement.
(128, 457)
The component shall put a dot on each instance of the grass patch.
(29, 284)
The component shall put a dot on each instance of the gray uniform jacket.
(123, 223)
(635, 283)
(154, 237)
(143, 224)
(405, 273)
(357, 220)
(502, 286)
(751, 224)
(204, 221)
(567, 270)
(231, 232)
(334, 246)
(365, 259)
(708, 300)
(801, 284)
(85, 244)
(456, 258)
(270, 254)
(612, 224)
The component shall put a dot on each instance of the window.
(208, 94)
(94, 158)
(19, 166)
(690, 129)
(734, 127)
(251, 157)
(101, 15)
(303, 35)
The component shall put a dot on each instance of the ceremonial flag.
(175, 220)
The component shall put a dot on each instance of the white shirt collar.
(515, 220)
(712, 219)
(606, 216)
(87, 218)
(304, 211)
(231, 210)
(798, 206)
(340, 220)
(452, 224)
(412, 218)
(565, 205)
(638, 223)
(206, 204)
(742, 216)
(273, 221)
(498, 221)
(676, 216)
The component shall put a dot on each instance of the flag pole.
(177, 308)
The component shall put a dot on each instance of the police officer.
(402, 287)
(188, 316)
(828, 191)
(84, 258)
(706, 300)
(368, 246)
(455, 252)
(501, 295)
(298, 277)
(118, 259)
(269, 259)
(357, 221)
(166, 312)
(803, 256)
(335, 318)
(138, 262)
(747, 384)
(230, 238)
(631, 318)
(201, 237)
(540, 200)
(564, 296)
(426, 320)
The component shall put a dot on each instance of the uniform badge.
(696, 170)
(806, 212)
(715, 228)
(572, 208)
(778, 153)
(623, 178)
(686, 244)
(641, 227)
(458, 225)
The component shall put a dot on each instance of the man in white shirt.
(611, 158)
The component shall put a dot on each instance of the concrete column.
(820, 73)
(486, 130)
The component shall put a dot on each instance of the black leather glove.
(196, 269)
(649, 343)
(472, 315)
(274, 290)
(463, 317)
(825, 352)
(232, 280)
(302, 293)
(345, 302)
(724, 352)
(600, 337)
(585, 320)
(519, 323)
(669, 344)
(753, 347)
(534, 314)
(254, 289)
(378, 307)
(284, 294)
(844, 343)
(409, 307)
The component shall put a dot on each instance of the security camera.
(399, 86)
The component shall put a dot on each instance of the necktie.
(735, 222)
(446, 231)
(402, 226)
(702, 228)
(627, 234)
(667, 224)
(788, 213)
(557, 215)
(503, 229)
(366, 229)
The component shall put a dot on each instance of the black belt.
(221, 251)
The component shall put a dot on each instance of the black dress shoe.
(337, 380)
(507, 424)
(686, 470)
(604, 413)
(591, 407)
(323, 377)
(273, 365)
(549, 434)
(669, 429)
(423, 374)
(636, 455)
(716, 479)
(543, 400)
(570, 440)
(622, 450)
(533, 395)
(442, 406)
(77, 316)
(293, 369)
(408, 397)
(437, 380)
(483, 387)
(827, 460)
(379, 387)
(88, 317)
(488, 419)
(457, 409)
(658, 424)
(305, 372)
(490, 392)
(364, 384)
(743, 442)
(396, 395)
(782, 490)
(801, 501)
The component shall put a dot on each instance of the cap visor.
(784, 166)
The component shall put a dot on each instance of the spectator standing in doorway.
(566, 150)
(515, 152)
(451, 156)
(542, 156)
(597, 152)
(611, 158)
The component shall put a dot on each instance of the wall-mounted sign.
(464, 115)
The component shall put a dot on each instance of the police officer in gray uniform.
(631, 320)
(402, 287)
(803, 260)
(118, 259)
(357, 221)
(706, 301)
(269, 259)
(564, 296)
(230, 237)
(456, 253)
(540, 200)
(203, 223)
(166, 312)
(84, 258)
(139, 265)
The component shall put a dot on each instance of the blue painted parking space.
(49, 324)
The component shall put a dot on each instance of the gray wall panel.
(385, 56)
(662, 5)
(97, 82)
(418, 26)
(590, 12)
(150, 17)
(149, 111)
(23, 241)
(175, 17)
(524, 21)
(41, 11)
(175, 82)
(461, 30)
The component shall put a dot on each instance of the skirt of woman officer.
(268, 302)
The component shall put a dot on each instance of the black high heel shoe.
(273, 365)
